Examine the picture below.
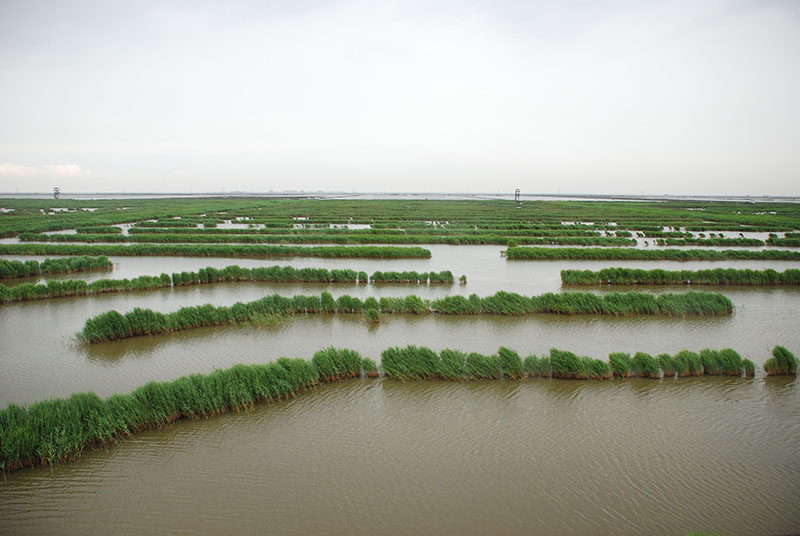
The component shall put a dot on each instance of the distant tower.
(516, 195)
(56, 192)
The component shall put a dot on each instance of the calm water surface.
(367, 457)
(556, 457)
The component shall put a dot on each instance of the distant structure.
(516, 195)
(57, 192)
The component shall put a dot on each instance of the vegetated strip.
(533, 253)
(60, 429)
(113, 325)
(716, 276)
(338, 238)
(420, 363)
(16, 269)
(210, 250)
(274, 274)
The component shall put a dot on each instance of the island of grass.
(716, 276)
(113, 325)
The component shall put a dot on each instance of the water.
(557, 457)
(370, 457)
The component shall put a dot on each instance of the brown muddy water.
(546, 456)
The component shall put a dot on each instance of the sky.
(611, 97)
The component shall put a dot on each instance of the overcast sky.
(694, 97)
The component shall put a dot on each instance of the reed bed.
(18, 269)
(112, 325)
(416, 362)
(717, 276)
(211, 250)
(198, 236)
(423, 278)
(534, 253)
(58, 430)
(725, 242)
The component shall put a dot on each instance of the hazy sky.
(694, 97)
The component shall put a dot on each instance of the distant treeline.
(209, 250)
(58, 430)
(272, 274)
(716, 276)
(532, 253)
(17, 269)
(113, 325)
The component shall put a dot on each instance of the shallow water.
(367, 457)
(556, 457)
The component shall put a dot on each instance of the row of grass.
(60, 429)
(533, 253)
(443, 277)
(716, 276)
(461, 232)
(113, 325)
(615, 303)
(332, 238)
(16, 269)
(724, 242)
(99, 229)
(210, 275)
(210, 250)
(421, 363)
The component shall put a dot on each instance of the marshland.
(472, 413)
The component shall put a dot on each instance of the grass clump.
(369, 367)
(510, 364)
(782, 363)
(452, 364)
(730, 362)
(711, 362)
(621, 364)
(645, 365)
(567, 365)
(482, 367)
(667, 364)
(410, 363)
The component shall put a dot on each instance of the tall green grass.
(645, 365)
(711, 362)
(621, 364)
(443, 277)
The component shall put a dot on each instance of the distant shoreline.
(406, 195)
